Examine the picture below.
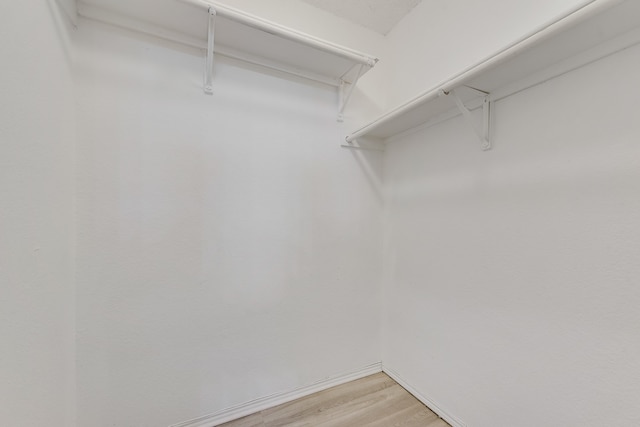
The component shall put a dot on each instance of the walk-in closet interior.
(209, 209)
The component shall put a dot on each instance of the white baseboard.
(455, 422)
(263, 403)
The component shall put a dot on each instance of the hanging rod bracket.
(477, 91)
(345, 90)
(208, 72)
(359, 147)
(484, 132)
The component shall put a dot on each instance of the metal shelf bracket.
(345, 90)
(208, 72)
(484, 131)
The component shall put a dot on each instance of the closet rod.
(284, 32)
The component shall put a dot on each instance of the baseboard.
(263, 403)
(455, 422)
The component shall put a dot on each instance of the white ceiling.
(378, 15)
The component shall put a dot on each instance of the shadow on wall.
(369, 163)
(63, 15)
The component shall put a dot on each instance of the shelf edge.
(555, 26)
(284, 32)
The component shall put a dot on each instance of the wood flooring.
(375, 401)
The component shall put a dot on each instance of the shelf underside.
(238, 40)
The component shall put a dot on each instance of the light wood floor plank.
(254, 420)
(374, 401)
(326, 404)
(385, 408)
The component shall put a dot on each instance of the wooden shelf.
(593, 31)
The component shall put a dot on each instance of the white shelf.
(236, 34)
(595, 30)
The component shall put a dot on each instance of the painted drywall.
(69, 9)
(439, 39)
(512, 295)
(378, 15)
(37, 142)
(228, 249)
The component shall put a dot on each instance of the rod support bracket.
(484, 131)
(345, 90)
(208, 71)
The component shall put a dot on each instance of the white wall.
(37, 142)
(228, 248)
(439, 39)
(68, 9)
(512, 297)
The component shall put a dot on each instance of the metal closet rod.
(578, 14)
(284, 32)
